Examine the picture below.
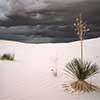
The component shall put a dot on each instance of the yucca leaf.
(81, 70)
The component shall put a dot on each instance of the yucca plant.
(81, 71)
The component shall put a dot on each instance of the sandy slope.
(30, 77)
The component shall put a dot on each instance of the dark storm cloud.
(21, 7)
(51, 18)
(41, 9)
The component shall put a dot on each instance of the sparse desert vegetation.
(7, 56)
(30, 76)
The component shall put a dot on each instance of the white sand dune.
(29, 77)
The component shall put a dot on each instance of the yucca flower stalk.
(82, 70)
(81, 28)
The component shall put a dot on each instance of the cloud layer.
(20, 7)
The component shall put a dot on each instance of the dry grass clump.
(10, 57)
(83, 86)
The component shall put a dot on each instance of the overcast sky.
(58, 21)
(8, 7)
(11, 6)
